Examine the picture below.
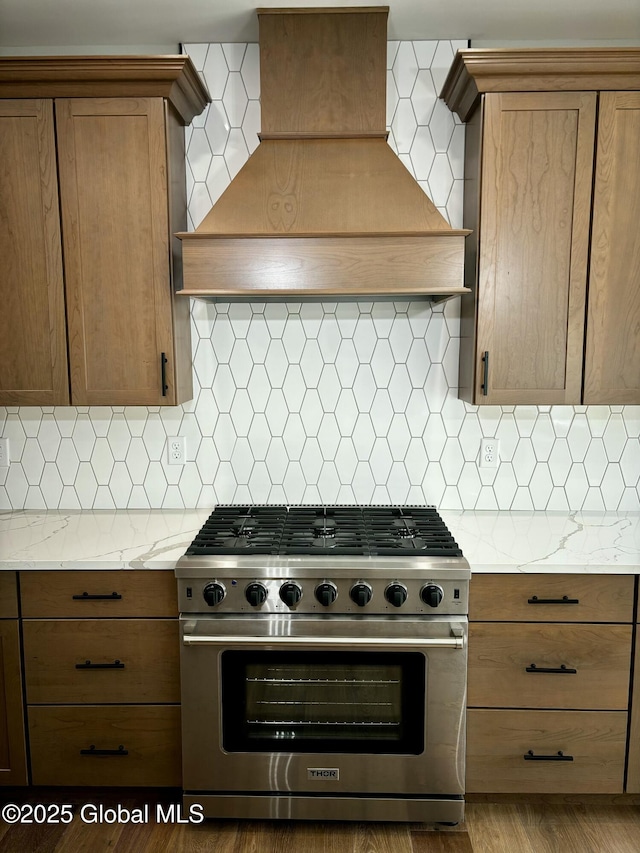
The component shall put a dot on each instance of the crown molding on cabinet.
(172, 77)
(479, 70)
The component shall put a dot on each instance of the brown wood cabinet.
(633, 764)
(91, 190)
(548, 698)
(13, 755)
(101, 662)
(553, 198)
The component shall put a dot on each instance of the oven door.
(347, 705)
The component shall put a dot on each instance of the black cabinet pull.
(87, 597)
(93, 751)
(558, 756)
(163, 371)
(88, 665)
(564, 600)
(562, 669)
(484, 387)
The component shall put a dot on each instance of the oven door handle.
(455, 642)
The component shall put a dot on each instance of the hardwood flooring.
(489, 827)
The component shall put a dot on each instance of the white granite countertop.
(586, 542)
(154, 539)
(100, 539)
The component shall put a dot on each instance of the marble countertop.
(154, 539)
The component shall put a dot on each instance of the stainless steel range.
(324, 664)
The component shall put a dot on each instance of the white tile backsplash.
(334, 402)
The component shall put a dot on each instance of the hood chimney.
(323, 207)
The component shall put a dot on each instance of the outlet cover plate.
(177, 450)
(489, 452)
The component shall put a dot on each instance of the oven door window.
(298, 701)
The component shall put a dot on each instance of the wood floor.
(488, 828)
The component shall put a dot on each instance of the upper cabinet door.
(112, 160)
(612, 356)
(33, 349)
(537, 163)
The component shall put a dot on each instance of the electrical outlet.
(177, 450)
(489, 452)
(4, 453)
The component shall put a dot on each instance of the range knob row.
(326, 593)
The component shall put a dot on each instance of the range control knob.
(396, 594)
(431, 594)
(256, 594)
(361, 593)
(213, 593)
(326, 593)
(291, 593)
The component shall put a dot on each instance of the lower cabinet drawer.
(102, 661)
(518, 751)
(105, 745)
(549, 665)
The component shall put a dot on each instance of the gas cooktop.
(315, 530)
(329, 559)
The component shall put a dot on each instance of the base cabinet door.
(551, 752)
(13, 760)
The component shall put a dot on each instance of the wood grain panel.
(147, 649)
(500, 653)
(471, 219)
(323, 187)
(535, 207)
(50, 594)
(326, 266)
(323, 70)
(633, 765)
(8, 595)
(150, 734)
(33, 348)
(601, 598)
(177, 182)
(13, 757)
(113, 178)
(612, 357)
(497, 742)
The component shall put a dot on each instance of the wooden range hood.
(323, 207)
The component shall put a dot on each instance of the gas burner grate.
(316, 530)
(408, 530)
(336, 530)
(240, 529)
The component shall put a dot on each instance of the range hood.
(323, 207)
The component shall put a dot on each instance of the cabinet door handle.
(484, 387)
(93, 751)
(113, 596)
(564, 600)
(562, 669)
(163, 371)
(558, 756)
(88, 665)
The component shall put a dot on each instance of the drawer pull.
(87, 597)
(559, 756)
(88, 665)
(564, 600)
(93, 751)
(562, 669)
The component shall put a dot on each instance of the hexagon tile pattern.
(324, 402)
